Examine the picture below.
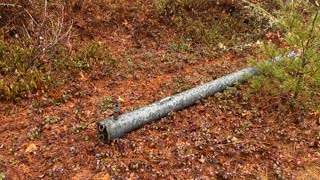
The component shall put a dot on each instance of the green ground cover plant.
(200, 23)
(23, 71)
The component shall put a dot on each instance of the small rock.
(31, 148)
(234, 139)
(202, 159)
(299, 162)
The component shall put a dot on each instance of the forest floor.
(237, 134)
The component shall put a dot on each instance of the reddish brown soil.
(235, 135)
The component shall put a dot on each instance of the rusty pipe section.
(110, 128)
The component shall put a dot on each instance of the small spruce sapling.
(298, 78)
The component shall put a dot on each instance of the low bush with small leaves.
(23, 73)
(38, 50)
(200, 22)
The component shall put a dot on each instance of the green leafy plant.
(51, 120)
(17, 75)
(2, 176)
(22, 72)
(79, 127)
(296, 79)
(106, 103)
(34, 133)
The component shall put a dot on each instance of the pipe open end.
(103, 133)
(101, 137)
(101, 128)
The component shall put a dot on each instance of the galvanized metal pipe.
(110, 128)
